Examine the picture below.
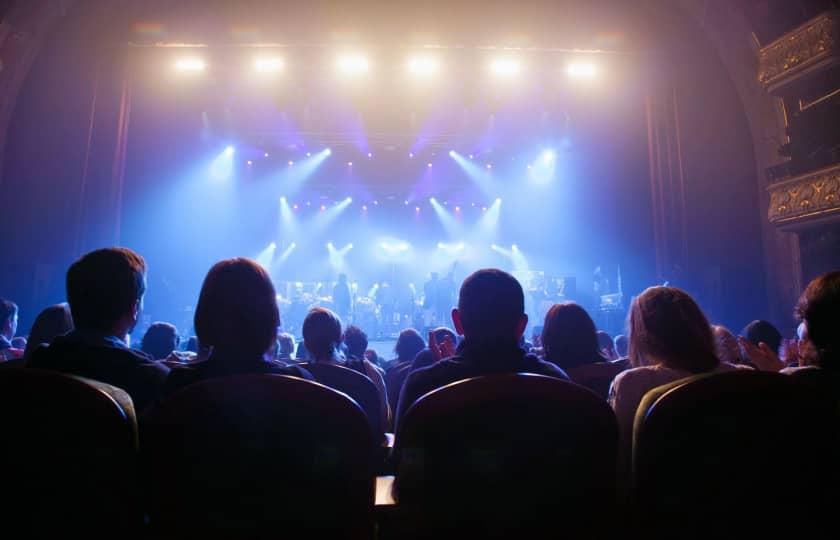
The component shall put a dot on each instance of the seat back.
(259, 455)
(356, 385)
(69, 455)
(718, 450)
(502, 454)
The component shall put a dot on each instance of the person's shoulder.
(635, 374)
(278, 368)
(543, 367)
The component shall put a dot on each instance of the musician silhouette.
(342, 298)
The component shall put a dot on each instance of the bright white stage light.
(269, 64)
(494, 247)
(229, 150)
(353, 64)
(364, 208)
(428, 165)
(489, 165)
(349, 163)
(505, 67)
(190, 65)
(548, 156)
(328, 151)
(499, 200)
(423, 66)
(329, 245)
(452, 153)
(348, 200)
(582, 70)
(282, 199)
(432, 200)
(441, 245)
(272, 245)
(291, 163)
(514, 247)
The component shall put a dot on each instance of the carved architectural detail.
(803, 198)
(815, 43)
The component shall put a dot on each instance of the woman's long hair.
(569, 337)
(667, 325)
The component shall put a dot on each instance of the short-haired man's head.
(491, 306)
(321, 332)
(356, 341)
(237, 308)
(409, 343)
(667, 325)
(763, 332)
(103, 286)
(160, 340)
(819, 308)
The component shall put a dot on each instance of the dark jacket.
(105, 359)
(218, 366)
(472, 361)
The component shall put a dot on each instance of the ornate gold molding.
(810, 46)
(803, 198)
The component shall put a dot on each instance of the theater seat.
(259, 455)
(744, 450)
(514, 455)
(69, 457)
(354, 384)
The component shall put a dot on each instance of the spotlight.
(328, 151)
(250, 162)
(295, 206)
(293, 244)
(269, 64)
(350, 246)
(364, 208)
(265, 155)
(581, 70)
(272, 245)
(489, 165)
(441, 245)
(323, 207)
(370, 154)
(452, 153)
(432, 200)
(411, 154)
(349, 163)
(471, 156)
(190, 65)
(514, 247)
(505, 67)
(483, 208)
(494, 247)
(308, 203)
(428, 165)
(423, 66)
(405, 202)
(291, 163)
(457, 208)
(309, 154)
(498, 200)
(548, 156)
(376, 203)
(348, 200)
(329, 245)
(353, 64)
(282, 199)
(229, 151)
(416, 208)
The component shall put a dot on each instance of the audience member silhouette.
(52, 322)
(670, 339)
(286, 347)
(409, 343)
(105, 291)
(160, 340)
(322, 337)
(491, 317)
(605, 343)
(236, 318)
(571, 342)
(819, 309)
(8, 328)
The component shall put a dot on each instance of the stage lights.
(269, 64)
(353, 64)
(548, 156)
(190, 64)
(505, 67)
(423, 66)
(582, 70)
(229, 151)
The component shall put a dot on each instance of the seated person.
(160, 340)
(8, 327)
(620, 343)
(52, 322)
(605, 343)
(491, 317)
(236, 318)
(409, 343)
(322, 337)
(105, 292)
(571, 342)
(443, 337)
(286, 348)
(670, 339)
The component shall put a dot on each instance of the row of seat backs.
(356, 385)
